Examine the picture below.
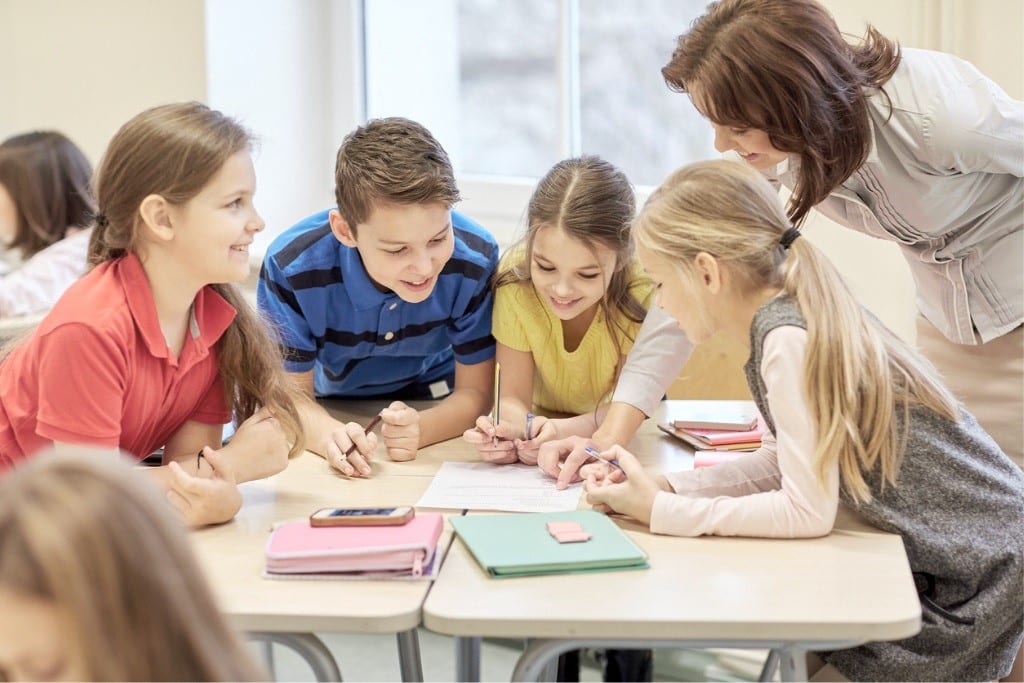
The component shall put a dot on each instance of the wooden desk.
(789, 595)
(232, 557)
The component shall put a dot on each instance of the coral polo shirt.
(97, 370)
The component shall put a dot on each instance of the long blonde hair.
(174, 151)
(86, 532)
(858, 374)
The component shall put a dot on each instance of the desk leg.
(793, 661)
(409, 656)
(770, 665)
(539, 655)
(467, 659)
(309, 647)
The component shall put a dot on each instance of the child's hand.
(494, 444)
(562, 459)
(544, 430)
(401, 431)
(259, 447)
(607, 491)
(342, 438)
(207, 498)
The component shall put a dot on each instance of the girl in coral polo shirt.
(153, 348)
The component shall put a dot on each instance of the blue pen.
(529, 426)
(596, 455)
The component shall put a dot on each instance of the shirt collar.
(211, 313)
(361, 289)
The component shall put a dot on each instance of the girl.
(99, 583)
(855, 415)
(152, 348)
(566, 309)
(46, 206)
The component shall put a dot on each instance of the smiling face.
(403, 247)
(34, 641)
(569, 276)
(213, 230)
(753, 145)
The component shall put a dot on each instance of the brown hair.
(391, 161)
(858, 374)
(593, 202)
(174, 151)
(84, 531)
(48, 178)
(782, 66)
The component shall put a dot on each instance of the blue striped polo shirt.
(360, 341)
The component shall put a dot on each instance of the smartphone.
(361, 516)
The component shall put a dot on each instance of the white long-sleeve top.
(772, 492)
(36, 285)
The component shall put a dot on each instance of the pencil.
(496, 412)
(596, 455)
(369, 428)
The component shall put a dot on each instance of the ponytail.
(861, 380)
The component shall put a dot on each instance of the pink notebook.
(298, 548)
(720, 437)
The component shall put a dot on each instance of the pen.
(596, 455)
(369, 428)
(529, 426)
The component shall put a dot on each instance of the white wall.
(274, 65)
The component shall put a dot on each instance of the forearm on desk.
(452, 416)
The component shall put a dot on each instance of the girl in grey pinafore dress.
(907, 457)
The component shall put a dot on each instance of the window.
(509, 88)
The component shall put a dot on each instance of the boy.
(386, 295)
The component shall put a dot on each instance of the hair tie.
(101, 220)
(789, 237)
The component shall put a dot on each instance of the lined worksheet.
(485, 486)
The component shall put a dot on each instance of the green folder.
(520, 545)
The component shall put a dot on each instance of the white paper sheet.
(484, 486)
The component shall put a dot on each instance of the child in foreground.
(98, 581)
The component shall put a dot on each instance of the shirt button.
(389, 336)
(392, 307)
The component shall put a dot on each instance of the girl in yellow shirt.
(567, 305)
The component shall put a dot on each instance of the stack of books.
(714, 428)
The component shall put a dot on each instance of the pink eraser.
(572, 536)
(556, 527)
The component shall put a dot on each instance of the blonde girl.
(854, 414)
(46, 208)
(568, 304)
(154, 347)
(98, 582)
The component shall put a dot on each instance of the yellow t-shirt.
(565, 381)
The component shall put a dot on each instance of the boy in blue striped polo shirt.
(388, 295)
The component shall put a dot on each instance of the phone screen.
(360, 512)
